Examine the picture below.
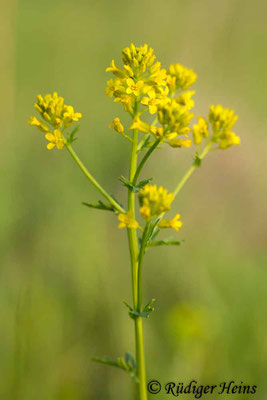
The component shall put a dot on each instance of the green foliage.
(100, 206)
(164, 242)
(134, 188)
(126, 363)
(71, 135)
(145, 313)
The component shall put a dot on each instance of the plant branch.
(92, 179)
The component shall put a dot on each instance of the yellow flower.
(228, 139)
(126, 100)
(174, 118)
(54, 111)
(126, 220)
(134, 88)
(200, 130)
(138, 58)
(115, 70)
(117, 125)
(180, 77)
(174, 223)
(179, 143)
(55, 139)
(112, 86)
(153, 201)
(35, 122)
(186, 99)
(128, 70)
(69, 115)
(140, 125)
(151, 101)
(222, 121)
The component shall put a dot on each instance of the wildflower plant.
(159, 105)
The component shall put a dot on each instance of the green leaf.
(130, 186)
(141, 184)
(72, 134)
(164, 242)
(197, 160)
(126, 363)
(100, 206)
(114, 198)
(145, 313)
(148, 309)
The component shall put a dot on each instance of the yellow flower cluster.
(142, 81)
(57, 114)
(154, 201)
(174, 120)
(222, 121)
(180, 77)
(140, 77)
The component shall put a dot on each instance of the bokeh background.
(64, 268)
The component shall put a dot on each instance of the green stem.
(191, 170)
(140, 267)
(133, 246)
(144, 159)
(92, 179)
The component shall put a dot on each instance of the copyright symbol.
(154, 387)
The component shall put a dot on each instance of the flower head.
(174, 223)
(57, 114)
(222, 121)
(154, 200)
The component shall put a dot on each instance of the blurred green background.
(64, 268)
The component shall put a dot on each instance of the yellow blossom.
(55, 139)
(115, 70)
(126, 100)
(126, 220)
(112, 86)
(153, 201)
(222, 121)
(35, 122)
(179, 143)
(69, 115)
(140, 125)
(200, 130)
(180, 77)
(151, 101)
(185, 99)
(228, 139)
(174, 223)
(117, 125)
(133, 87)
(174, 118)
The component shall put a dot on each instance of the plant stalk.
(133, 246)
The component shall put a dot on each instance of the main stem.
(133, 245)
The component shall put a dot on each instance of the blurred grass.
(64, 269)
